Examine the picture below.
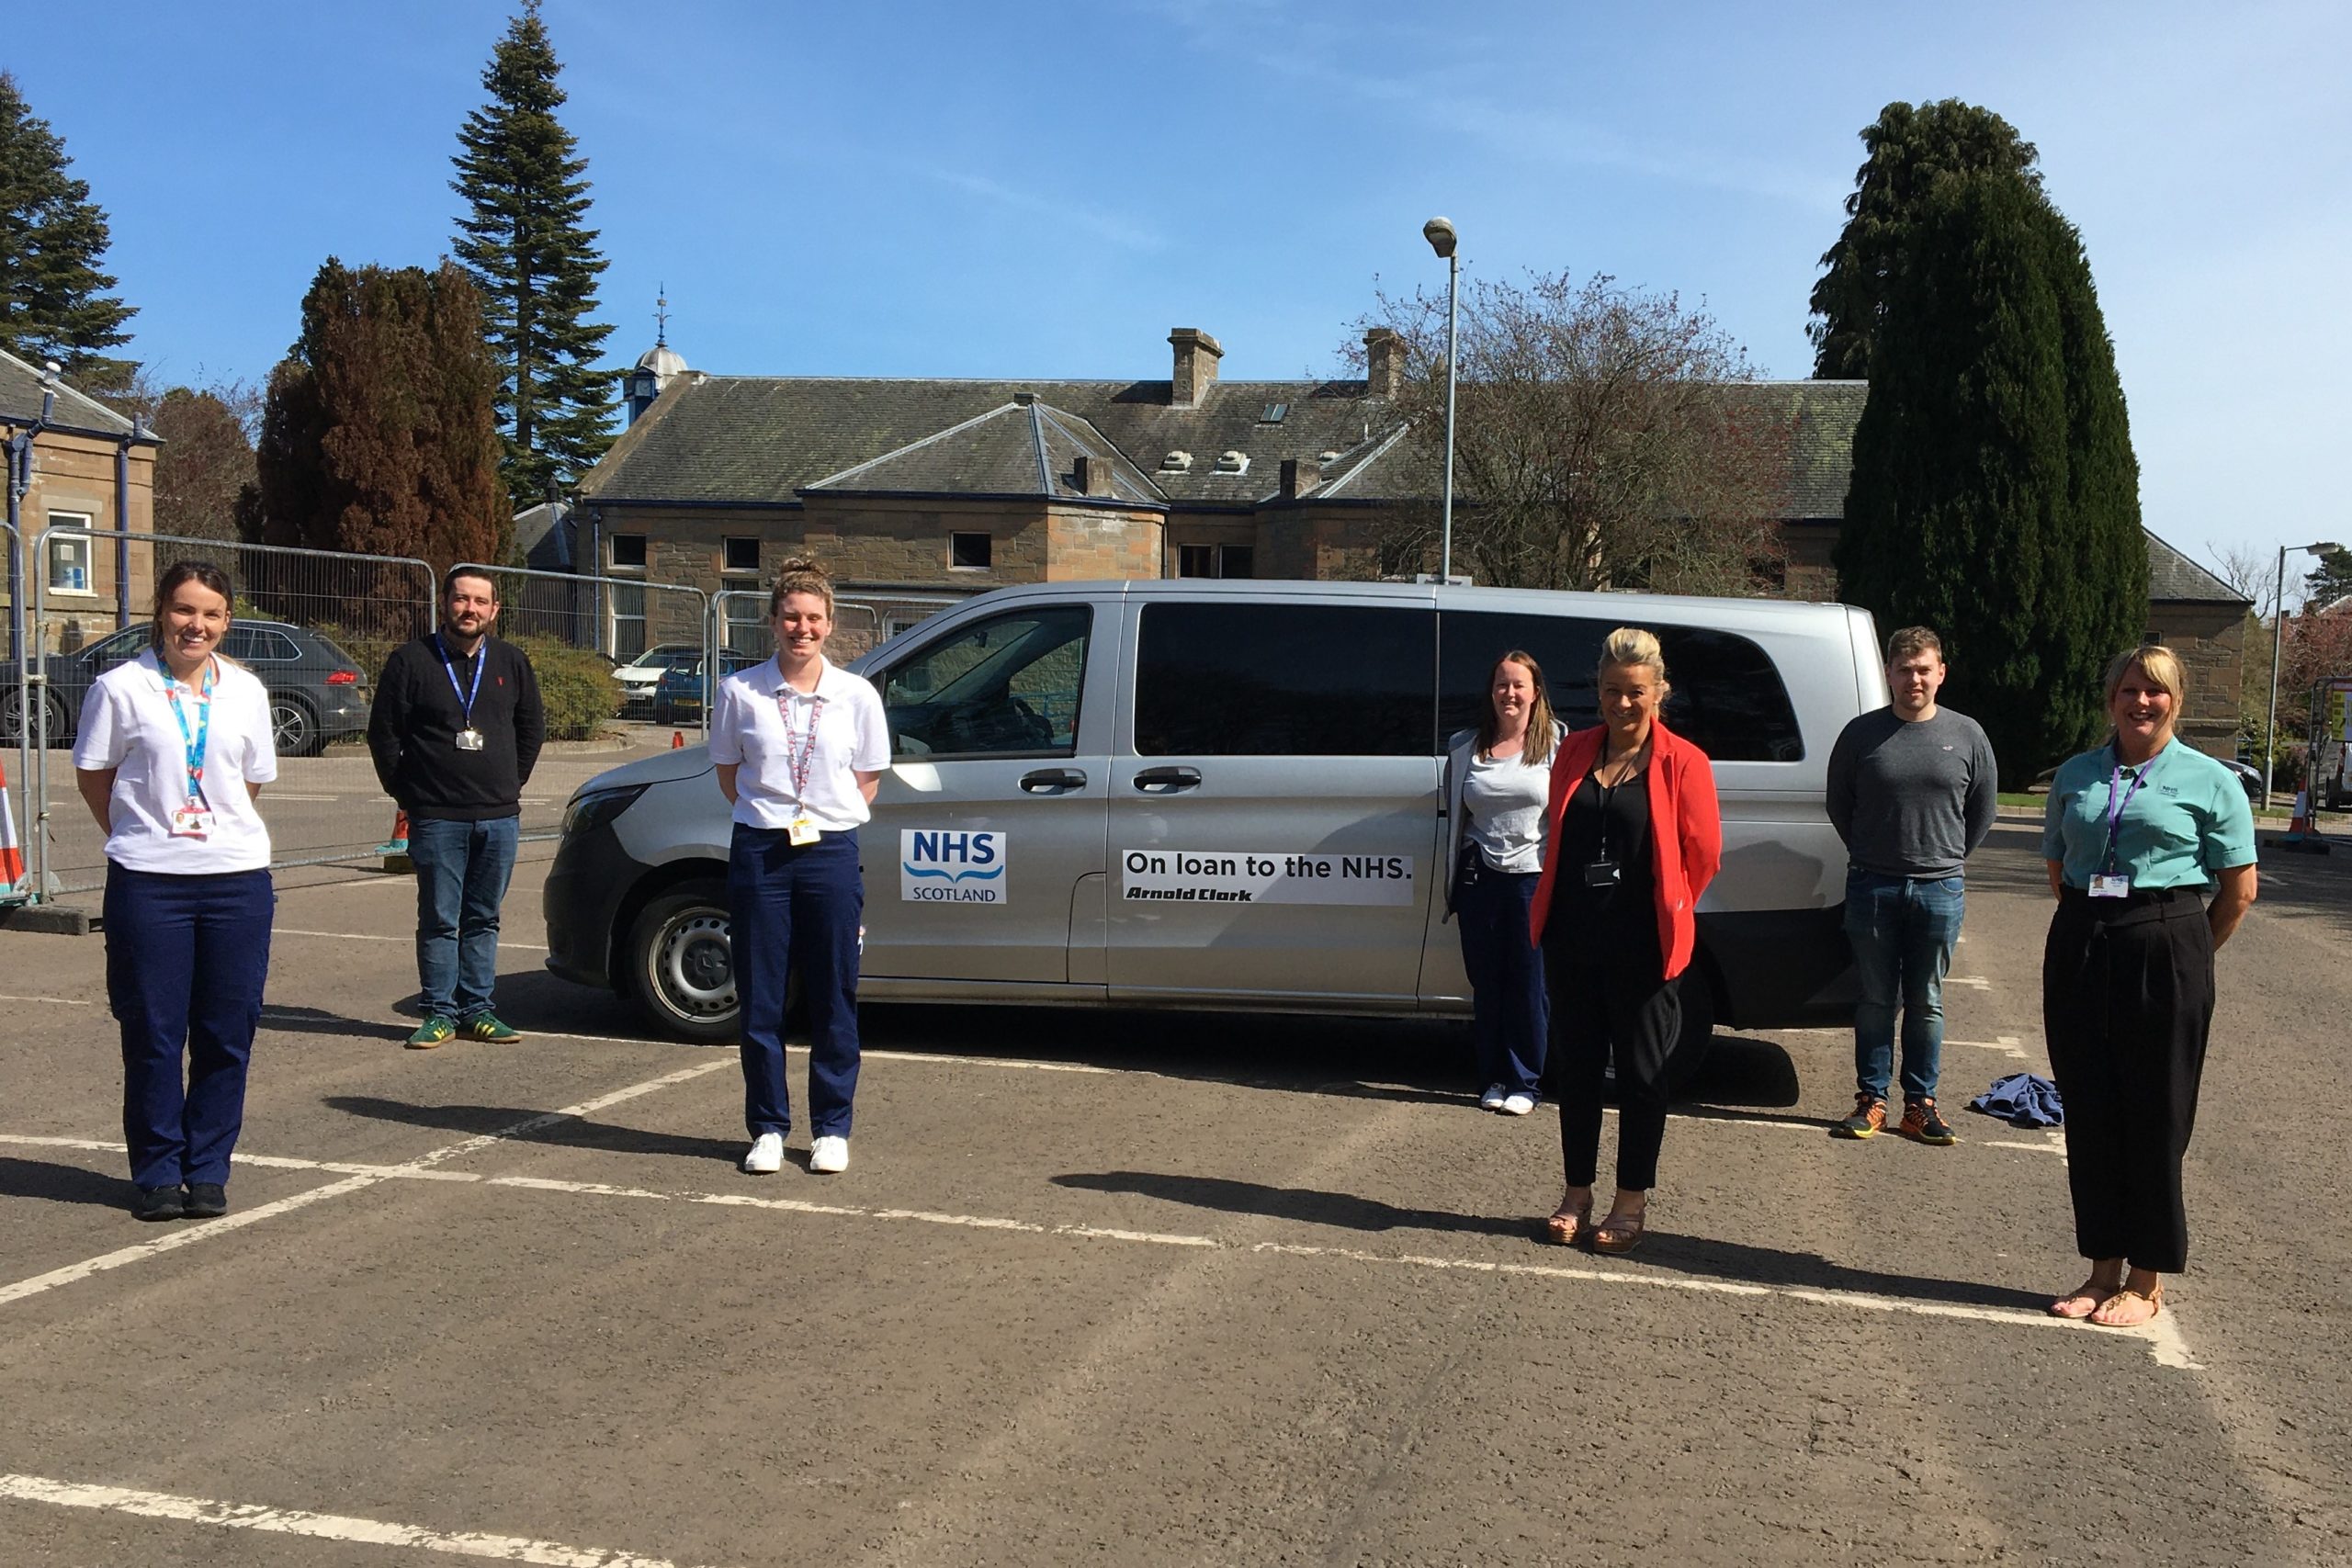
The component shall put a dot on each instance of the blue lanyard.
(465, 698)
(194, 741)
(2115, 806)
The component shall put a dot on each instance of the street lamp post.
(2278, 642)
(1438, 233)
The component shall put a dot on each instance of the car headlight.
(594, 809)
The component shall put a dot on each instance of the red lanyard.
(798, 764)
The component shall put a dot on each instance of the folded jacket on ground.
(2023, 1099)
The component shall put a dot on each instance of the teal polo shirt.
(2187, 822)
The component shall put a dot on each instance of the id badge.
(191, 821)
(801, 831)
(2106, 886)
(1603, 873)
(469, 740)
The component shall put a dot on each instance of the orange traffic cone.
(395, 849)
(677, 739)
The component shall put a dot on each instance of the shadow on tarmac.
(61, 1183)
(1695, 1256)
(571, 1133)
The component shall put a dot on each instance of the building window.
(970, 552)
(71, 555)
(629, 619)
(629, 551)
(1215, 560)
(742, 555)
(746, 614)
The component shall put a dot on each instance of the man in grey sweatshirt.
(1911, 792)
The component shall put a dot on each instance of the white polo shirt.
(126, 725)
(762, 738)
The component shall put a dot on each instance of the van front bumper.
(586, 885)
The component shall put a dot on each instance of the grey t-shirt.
(1912, 799)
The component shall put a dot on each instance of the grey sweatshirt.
(1912, 799)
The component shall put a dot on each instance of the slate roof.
(20, 393)
(2174, 578)
(756, 440)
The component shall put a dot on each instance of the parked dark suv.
(316, 692)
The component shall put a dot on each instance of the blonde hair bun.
(1633, 648)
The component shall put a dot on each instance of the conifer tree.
(378, 436)
(54, 302)
(1995, 495)
(1910, 151)
(524, 243)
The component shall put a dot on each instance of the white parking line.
(192, 1233)
(404, 938)
(2163, 1336)
(322, 1526)
(61, 1001)
(2007, 1045)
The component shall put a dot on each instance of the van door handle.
(1168, 781)
(1047, 781)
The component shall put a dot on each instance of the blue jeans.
(186, 959)
(1510, 1018)
(794, 909)
(1903, 929)
(462, 869)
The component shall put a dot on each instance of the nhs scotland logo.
(948, 866)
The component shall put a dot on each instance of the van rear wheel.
(680, 966)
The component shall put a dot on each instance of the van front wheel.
(680, 964)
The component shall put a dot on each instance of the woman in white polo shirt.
(172, 750)
(800, 747)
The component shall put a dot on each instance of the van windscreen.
(1255, 678)
(1727, 697)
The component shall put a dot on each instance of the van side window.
(1253, 679)
(1728, 698)
(1005, 687)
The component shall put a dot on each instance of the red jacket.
(1686, 831)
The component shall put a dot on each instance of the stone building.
(2202, 619)
(91, 473)
(915, 492)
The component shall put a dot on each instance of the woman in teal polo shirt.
(2137, 832)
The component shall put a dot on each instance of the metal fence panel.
(862, 622)
(316, 626)
(16, 792)
(651, 639)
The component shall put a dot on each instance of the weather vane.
(661, 316)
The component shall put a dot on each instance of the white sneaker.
(1493, 1098)
(766, 1156)
(829, 1157)
(1518, 1104)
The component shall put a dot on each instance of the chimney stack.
(1299, 476)
(1090, 474)
(1384, 363)
(1195, 372)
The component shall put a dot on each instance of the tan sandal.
(1619, 1234)
(2154, 1296)
(2091, 1293)
(1568, 1226)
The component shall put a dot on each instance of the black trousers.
(2127, 1003)
(1611, 999)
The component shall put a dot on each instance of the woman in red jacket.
(1635, 838)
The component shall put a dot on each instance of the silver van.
(1228, 795)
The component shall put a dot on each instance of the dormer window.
(1177, 463)
(1233, 463)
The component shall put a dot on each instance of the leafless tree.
(1604, 440)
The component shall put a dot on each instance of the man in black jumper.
(456, 728)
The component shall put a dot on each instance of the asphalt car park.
(1142, 1288)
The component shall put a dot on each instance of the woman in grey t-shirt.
(1497, 784)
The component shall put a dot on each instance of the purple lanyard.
(2115, 806)
(799, 765)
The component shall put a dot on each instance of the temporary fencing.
(315, 626)
(862, 622)
(15, 791)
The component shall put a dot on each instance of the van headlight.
(593, 808)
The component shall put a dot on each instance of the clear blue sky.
(1044, 189)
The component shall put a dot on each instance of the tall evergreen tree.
(525, 244)
(1995, 495)
(54, 302)
(1910, 150)
(378, 436)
